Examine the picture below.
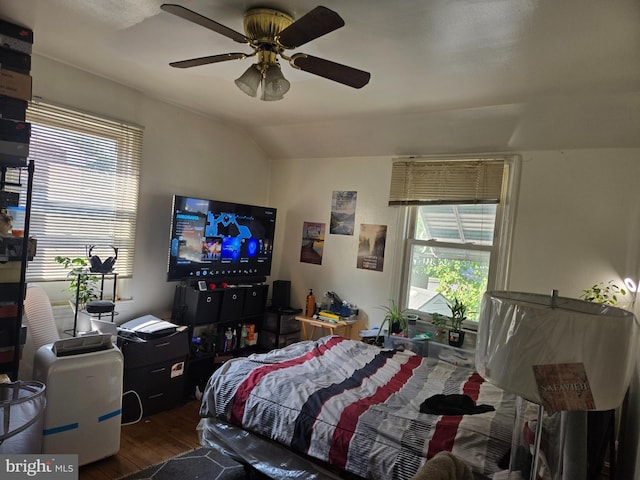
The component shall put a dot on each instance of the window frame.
(119, 148)
(500, 250)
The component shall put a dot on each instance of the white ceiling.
(446, 75)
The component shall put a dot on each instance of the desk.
(332, 327)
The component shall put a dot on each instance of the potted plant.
(81, 284)
(605, 293)
(394, 318)
(440, 323)
(458, 315)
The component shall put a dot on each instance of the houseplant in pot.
(439, 321)
(458, 315)
(395, 319)
(606, 293)
(81, 284)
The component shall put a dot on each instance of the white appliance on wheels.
(83, 378)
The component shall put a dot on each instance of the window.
(85, 188)
(457, 229)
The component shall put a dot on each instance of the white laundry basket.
(22, 407)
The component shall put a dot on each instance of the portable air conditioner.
(83, 378)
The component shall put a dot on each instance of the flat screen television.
(219, 241)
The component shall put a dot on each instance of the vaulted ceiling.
(446, 76)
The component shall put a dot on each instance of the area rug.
(200, 463)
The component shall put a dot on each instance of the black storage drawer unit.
(155, 369)
(282, 323)
(209, 314)
(154, 377)
(280, 328)
(201, 307)
(153, 351)
(222, 305)
(255, 299)
(151, 402)
(160, 387)
(232, 304)
(270, 340)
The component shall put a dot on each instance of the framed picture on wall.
(343, 213)
(371, 245)
(312, 243)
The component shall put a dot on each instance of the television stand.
(209, 314)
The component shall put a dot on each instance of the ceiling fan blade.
(314, 24)
(333, 71)
(194, 17)
(194, 62)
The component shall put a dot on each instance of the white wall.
(577, 220)
(302, 191)
(183, 153)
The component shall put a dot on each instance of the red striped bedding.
(357, 407)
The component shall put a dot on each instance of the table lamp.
(560, 353)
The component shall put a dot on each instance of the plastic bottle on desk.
(228, 336)
(311, 304)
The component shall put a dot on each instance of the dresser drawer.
(141, 404)
(158, 350)
(154, 377)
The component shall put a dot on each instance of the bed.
(355, 408)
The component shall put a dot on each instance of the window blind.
(418, 181)
(85, 189)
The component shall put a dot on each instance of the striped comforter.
(356, 406)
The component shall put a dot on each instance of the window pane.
(85, 189)
(457, 223)
(440, 274)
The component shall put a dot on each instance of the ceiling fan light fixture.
(270, 98)
(248, 82)
(269, 33)
(274, 85)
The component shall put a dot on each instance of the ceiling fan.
(269, 33)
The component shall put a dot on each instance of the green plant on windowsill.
(606, 293)
(395, 318)
(81, 284)
(440, 322)
(458, 314)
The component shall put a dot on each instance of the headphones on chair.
(98, 266)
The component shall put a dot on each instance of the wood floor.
(152, 440)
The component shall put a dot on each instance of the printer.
(146, 328)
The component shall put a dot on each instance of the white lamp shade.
(249, 81)
(519, 330)
(275, 85)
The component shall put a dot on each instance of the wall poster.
(343, 212)
(371, 243)
(312, 243)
